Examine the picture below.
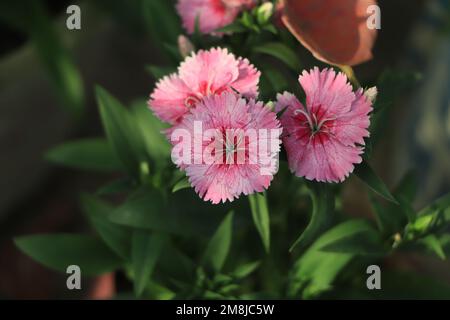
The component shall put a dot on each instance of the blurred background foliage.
(85, 167)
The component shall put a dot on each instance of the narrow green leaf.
(322, 215)
(315, 271)
(145, 251)
(358, 237)
(260, 214)
(434, 245)
(282, 53)
(121, 132)
(181, 184)
(219, 245)
(246, 269)
(58, 251)
(364, 172)
(151, 130)
(87, 154)
(116, 237)
(235, 27)
(162, 21)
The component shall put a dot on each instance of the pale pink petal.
(168, 101)
(206, 72)
(222, 181)
(248, 79)
(203, 74)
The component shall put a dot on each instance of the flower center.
(315, 122)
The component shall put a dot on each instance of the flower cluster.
(218, 91)
(236, 148)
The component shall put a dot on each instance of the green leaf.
(434, 245)
(260, 214)
(392, 218)
(355, 237)
(181, 184)
(282, 53)
(117, 238)
(219, 245)
(322, 215)
(364, 172)
(246, 269)
(58, 251)
(120, 130)
(151, 130)
(162, 21)
(87, 154)
(430, 218)
(235, 27)
(315, 271)
(145, 208)
(145, 251)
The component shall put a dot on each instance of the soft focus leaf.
(246, 269)
(120, 130)
(181, 184)
(162, 21)
(315, 271)
(322, 215)
(145, 208)
(88, 154)
(282, 53)
(145, 251)
(433, 244)
(370, 178)
(116, 237)
(31, 18)
(356, 237)
(151, 130)
(219, 245)
(260, 214)
(58, 251)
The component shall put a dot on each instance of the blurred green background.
(47, 79)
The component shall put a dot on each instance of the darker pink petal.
(325, 138)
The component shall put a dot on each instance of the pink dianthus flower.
(211, 14)
(202, 74)
(231, 161)
(325, 138)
